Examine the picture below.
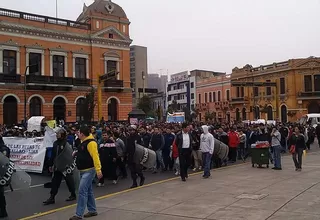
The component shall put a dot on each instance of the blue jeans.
(206, 160)
(277, 156)
(159, 159)
(86, 197)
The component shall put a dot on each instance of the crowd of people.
(106, 151)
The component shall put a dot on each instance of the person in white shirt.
(183, 142)
(206, 147)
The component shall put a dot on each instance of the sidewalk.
(238, 192)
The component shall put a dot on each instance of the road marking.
(123, 191)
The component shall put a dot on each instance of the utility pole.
(56, 9)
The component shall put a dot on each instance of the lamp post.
(25, 95)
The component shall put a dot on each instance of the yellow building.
(296, 91)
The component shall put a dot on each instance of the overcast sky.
(208, 34)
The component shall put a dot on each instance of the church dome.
(103, 7)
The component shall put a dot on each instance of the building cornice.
(73, 38)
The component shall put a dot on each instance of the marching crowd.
(106, 151)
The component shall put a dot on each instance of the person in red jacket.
(233, 144)
(175, 157)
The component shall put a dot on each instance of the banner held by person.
(27, 153)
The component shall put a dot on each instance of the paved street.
(238, 192)
(29, 202)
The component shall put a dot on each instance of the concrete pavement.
(233, 193)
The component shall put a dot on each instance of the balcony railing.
(81, 82)
(10, 78)
(239, 99)
(42, 18)
(309, 94)
(49, 80)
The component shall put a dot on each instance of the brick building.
(62, 60)
(213, 96)
(297, 90)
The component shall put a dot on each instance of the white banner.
(27, 153)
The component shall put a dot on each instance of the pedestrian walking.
(206, 147)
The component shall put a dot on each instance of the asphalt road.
(24, 203)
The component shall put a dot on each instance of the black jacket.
(179, 141)
(131, 146)
(56, 150)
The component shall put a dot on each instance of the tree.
(89, 104)
(145, 105)
(209, 116)
(173, 107)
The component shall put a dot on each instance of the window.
(81, 68)
(58, 66)
(228, 94)
(192, 95)
(238, 92)
(111, 36)
(9, 62)
(282, 86)
(210, 97)
(219, 96)
(214, 96)
(308, 83)
(242, 91)
(268, 89)
(316, 82)
(169, 98)
(199, 98)
(169, 88)
(112, 67)
(35, 64)
(255, 91)
(206, 97)
(192, 84)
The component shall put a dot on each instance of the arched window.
(237, 114)
(35, 107)
(270, 112)
(59, 109)
(256, 112)
(244, 114)
(80, 109)
(10, 110)
(113, 110)
(284, 116)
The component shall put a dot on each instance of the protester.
(207, 148)
(276, 145)
(184, 144)
(298, 142)
(88, 163)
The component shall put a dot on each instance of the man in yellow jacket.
(88, 163)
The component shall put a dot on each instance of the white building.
(181, 88)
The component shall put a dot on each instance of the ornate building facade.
(296, 91)
(57, 61)
(213, 98)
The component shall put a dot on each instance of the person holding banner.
(60, 164)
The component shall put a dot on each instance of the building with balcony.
(181, 91)
(138, 71)
(296, 91)
(59, 60)
(213, 96)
